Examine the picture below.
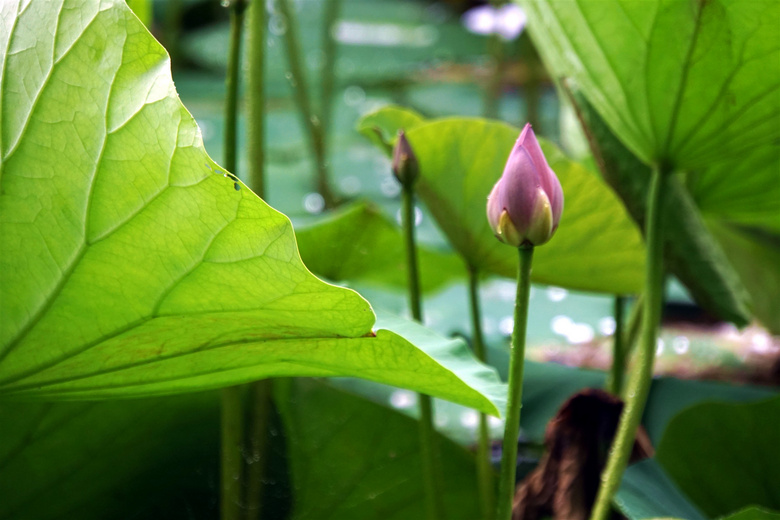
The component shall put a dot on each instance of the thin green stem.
(642, 372)
(413, 279)
(232, 416)
(311, 122)
(632, 328)
(434, 504)
(533, 81)
(255, 94)
(630, 335)
(618, 349)
(506, 485)
(259, 411)
(495, 48)
(428, 449)
(232, 425)
(172, 31)
(476, 320)
(484, 469)
(231, 96)
(329, 48)
(493, 91)
(259, 391)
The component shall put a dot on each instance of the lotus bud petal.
(526, 203)
(405, 165)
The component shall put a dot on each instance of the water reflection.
(557, 294)
(403, 399)
(313, 203)
(418, 216)
(607, 325)
(680, 344)
(469, 419)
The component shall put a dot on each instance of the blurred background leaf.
(724, 456)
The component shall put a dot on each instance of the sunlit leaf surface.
(132, 264)
(686, 82)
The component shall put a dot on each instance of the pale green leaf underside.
(741, 190)
(686, 81)
(691, 252)
(132, 265)
(596, 247)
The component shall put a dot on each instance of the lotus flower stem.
(260, 392)
(260, 403)
(232, 461)
(618, 348)
(495, 48)
(237, 8)
(232, 414)
(311, 122)
(506, 485)
(428, 449)
(255, 94)
(171, 31)
(630, 335)
(641, 376)
(484, 469)
(413, 281)
(533, 81)
(329, 48)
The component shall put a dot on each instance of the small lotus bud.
(405, 165)
(526, 203)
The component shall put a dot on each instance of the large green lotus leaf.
(753, 513)
(381, 126)
(691, 252)
(669, 396)
(359, 243)
(750, 513)
(596, 248)
(687, 82)
(646, 491)
(354, 459)
(725, 456)
(131, 263)
(143, 458)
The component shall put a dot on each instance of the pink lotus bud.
(405, 166)
(526, 203)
